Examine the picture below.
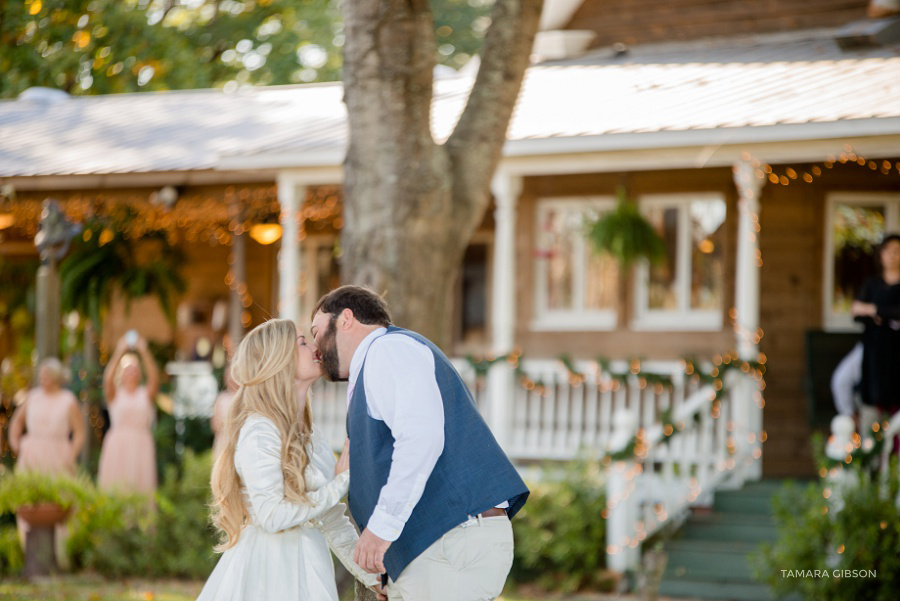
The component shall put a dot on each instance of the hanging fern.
(105, 260)
(626, 235)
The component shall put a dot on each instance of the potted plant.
(626, 235)
(43, 502)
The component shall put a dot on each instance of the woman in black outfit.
(878, 307)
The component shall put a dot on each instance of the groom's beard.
(329, 356)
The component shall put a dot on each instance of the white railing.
(551, 414)
(713, 438)
(846, 446)
(556, 414)
(712, 441)
(329, 410)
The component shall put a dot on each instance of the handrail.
(713, 441)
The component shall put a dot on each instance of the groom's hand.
(370, 552)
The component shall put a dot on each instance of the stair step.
(712, 555)
(710, 560)
(735, 527)
(735, 502)
(771, 486)
(720, 591)
(731, 532)
(730, 517)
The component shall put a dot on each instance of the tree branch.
(478, 139)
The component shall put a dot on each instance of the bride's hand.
(343, 463)
(380, 593)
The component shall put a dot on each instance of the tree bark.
(411, 204)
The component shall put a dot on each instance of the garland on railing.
(482, 365)
(865, 454)
(636, 448)
(634, 369)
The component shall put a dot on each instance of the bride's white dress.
(283, 553)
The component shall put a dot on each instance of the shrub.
(120, 536)
(184, 535)
(864, 535)
(560, 536)
(111, 535)
(30, 488)
(11, 557)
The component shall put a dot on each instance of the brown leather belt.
(494, 512)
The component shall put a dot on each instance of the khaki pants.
(469, 563)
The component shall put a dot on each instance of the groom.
(430, 487)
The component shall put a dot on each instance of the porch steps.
(710, 558)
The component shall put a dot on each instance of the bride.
(276, 485)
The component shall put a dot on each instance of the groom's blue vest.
(471, 475)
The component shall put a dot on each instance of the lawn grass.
(85, 588)
(88, 588)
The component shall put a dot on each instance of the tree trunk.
(361, 593)
(411, 205)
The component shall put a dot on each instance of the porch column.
(290, 196)
(238, 260)
(501, 385)
(749, 260)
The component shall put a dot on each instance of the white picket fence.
(714, 441)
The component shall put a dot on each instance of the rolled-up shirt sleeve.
(401, 390)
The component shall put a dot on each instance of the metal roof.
(561, 104)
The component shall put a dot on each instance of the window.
(684, 292)
(576, 288)
(855, 224)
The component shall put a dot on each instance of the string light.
(848, 156)
(202, 214)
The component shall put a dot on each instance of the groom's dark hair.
(367, 305)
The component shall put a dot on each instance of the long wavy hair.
(263, 369)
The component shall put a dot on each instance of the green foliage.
(560, 537)
(184, 536)
(120, 536)
(866, 457)
(113, 46)
(30, 488)
(197, 437)
(17, 298)
(106, 260)
(11, 557)
(626, 235)
(17, 292)
(110, 535)
(864, 535)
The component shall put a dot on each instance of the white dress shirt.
(402, 391)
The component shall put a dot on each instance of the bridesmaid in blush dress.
(47, 431)
(128, 456)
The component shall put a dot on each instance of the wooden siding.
(204, 271)
(792, 238)
(644, 21)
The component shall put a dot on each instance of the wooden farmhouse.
(761, 139)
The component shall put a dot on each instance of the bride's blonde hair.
(263, 369)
